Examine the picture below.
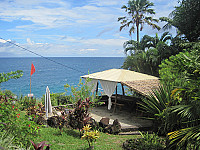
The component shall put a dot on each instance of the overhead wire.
(42, 56)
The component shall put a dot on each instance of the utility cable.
(42, 56)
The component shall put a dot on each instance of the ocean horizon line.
(64, 57)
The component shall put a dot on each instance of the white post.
(45, 103)
(49, 102)
(47, 97)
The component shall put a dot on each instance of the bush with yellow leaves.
(90, 136)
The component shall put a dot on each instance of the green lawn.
(70, 140)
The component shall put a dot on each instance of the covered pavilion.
(139, 82)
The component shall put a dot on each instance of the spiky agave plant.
(156, 106)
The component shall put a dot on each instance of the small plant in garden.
(36, 113)
(26, 102)
(58, 99)
(90, 136)
(82, 91)
(147, 142)
(58, 121)
(41, 145)
(35, 110)
(80, 115)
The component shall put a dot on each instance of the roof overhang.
(119, 75)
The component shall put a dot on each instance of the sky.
(69, 28)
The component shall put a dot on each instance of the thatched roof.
(143, 86)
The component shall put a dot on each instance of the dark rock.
(93, 123)
(108, 129)
(41, 120)
(52, 121)
(116, 127)
(104, 122)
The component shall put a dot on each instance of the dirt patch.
(126, 119)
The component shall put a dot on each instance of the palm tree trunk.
(137, 24)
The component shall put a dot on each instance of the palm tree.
(136, 10)
(148, 53)
(146, 42)
(135, 46)
(153, 41)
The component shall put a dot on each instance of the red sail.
(32, 69)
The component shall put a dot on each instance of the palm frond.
(132, 30)
(150, 11)
(122, 27)
(154, 26)
(166, 36)
(124, 7)
(185, 138)
(184, 111)
(169, 23)
(121, 18)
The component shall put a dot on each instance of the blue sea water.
(54, 74)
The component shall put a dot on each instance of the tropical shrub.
(156, 105)
(180, 69)
(83, 100)
(26, 102)
(147, 142)
(41, 145)
(187, 136)
(12, 121)
(59, 121)
(90, 136)
(184, 68)
(173, 70)
(80, 115)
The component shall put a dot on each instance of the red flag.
(32, 69)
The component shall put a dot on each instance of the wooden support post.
(97, 88)
(115, 104)
(30, 84)
(122, 89)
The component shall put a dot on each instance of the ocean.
(53, 72)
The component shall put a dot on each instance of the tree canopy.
(186, 19)
(11, 75)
